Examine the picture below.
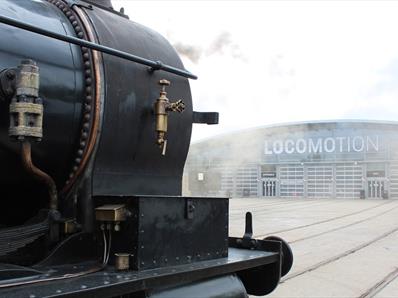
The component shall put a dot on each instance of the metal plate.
(108, 283)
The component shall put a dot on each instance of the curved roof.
(302, 125)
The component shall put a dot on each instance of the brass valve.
(162, 108)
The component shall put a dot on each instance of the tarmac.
(342, 248)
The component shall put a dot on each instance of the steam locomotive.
(92, 152)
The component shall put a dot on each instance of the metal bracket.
(209, 118)
(190, 209)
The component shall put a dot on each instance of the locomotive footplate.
(252, 263)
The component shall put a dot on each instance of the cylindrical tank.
(126, 159)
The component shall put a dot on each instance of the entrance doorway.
(269, 187)
(376, 187)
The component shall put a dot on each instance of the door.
(376, 187)
(269, 187)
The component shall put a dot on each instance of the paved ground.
(342, 248)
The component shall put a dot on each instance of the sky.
(267, 62)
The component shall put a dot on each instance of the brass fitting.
(26, 108)
(162, 108)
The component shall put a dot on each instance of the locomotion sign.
(320, 145)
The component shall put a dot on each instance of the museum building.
(328, 159)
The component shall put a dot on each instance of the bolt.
(10, 75)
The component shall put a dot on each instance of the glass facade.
(343, 159)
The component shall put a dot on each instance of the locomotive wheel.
(287, 254)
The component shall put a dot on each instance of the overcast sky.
(266, 62)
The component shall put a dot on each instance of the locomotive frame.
(118, 226)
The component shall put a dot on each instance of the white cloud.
(302, 60)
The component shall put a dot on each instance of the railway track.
(297, 206)
(380, 285)
(323, 221)
(281, 203)
(339, 256)
(344, 226)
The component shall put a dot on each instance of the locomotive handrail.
(155, 65)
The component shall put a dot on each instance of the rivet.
(87, 116)
(83, 287)
(72, 18)
(68, 13)
(78, 160)
(71, 175)
(79, 152)
(106, 282)
(86, 126)
(88, 99)
(58, 291)
(87, 64)
(88, 72)
(87, 108)
(75, 168)
(78, 28)
(84, 50)
(84, 136)
(80, 34)
(88, 81)
(86, 55)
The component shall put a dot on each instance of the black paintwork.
(61, 87)
(178, 244)
(159, 232)
(128, 161)
(109, 283)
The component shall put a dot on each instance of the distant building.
(330, 159)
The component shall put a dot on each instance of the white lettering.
(318, 145)
(355, 143)
(277, 147)
(315, 147)
(289, 146)
(340, 139)
(303, 144)
(375, 145)
(332, 146)
(348, 144)
(266, 149)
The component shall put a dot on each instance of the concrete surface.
(342, 248)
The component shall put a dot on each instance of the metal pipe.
(155, 65)
(39, 174)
